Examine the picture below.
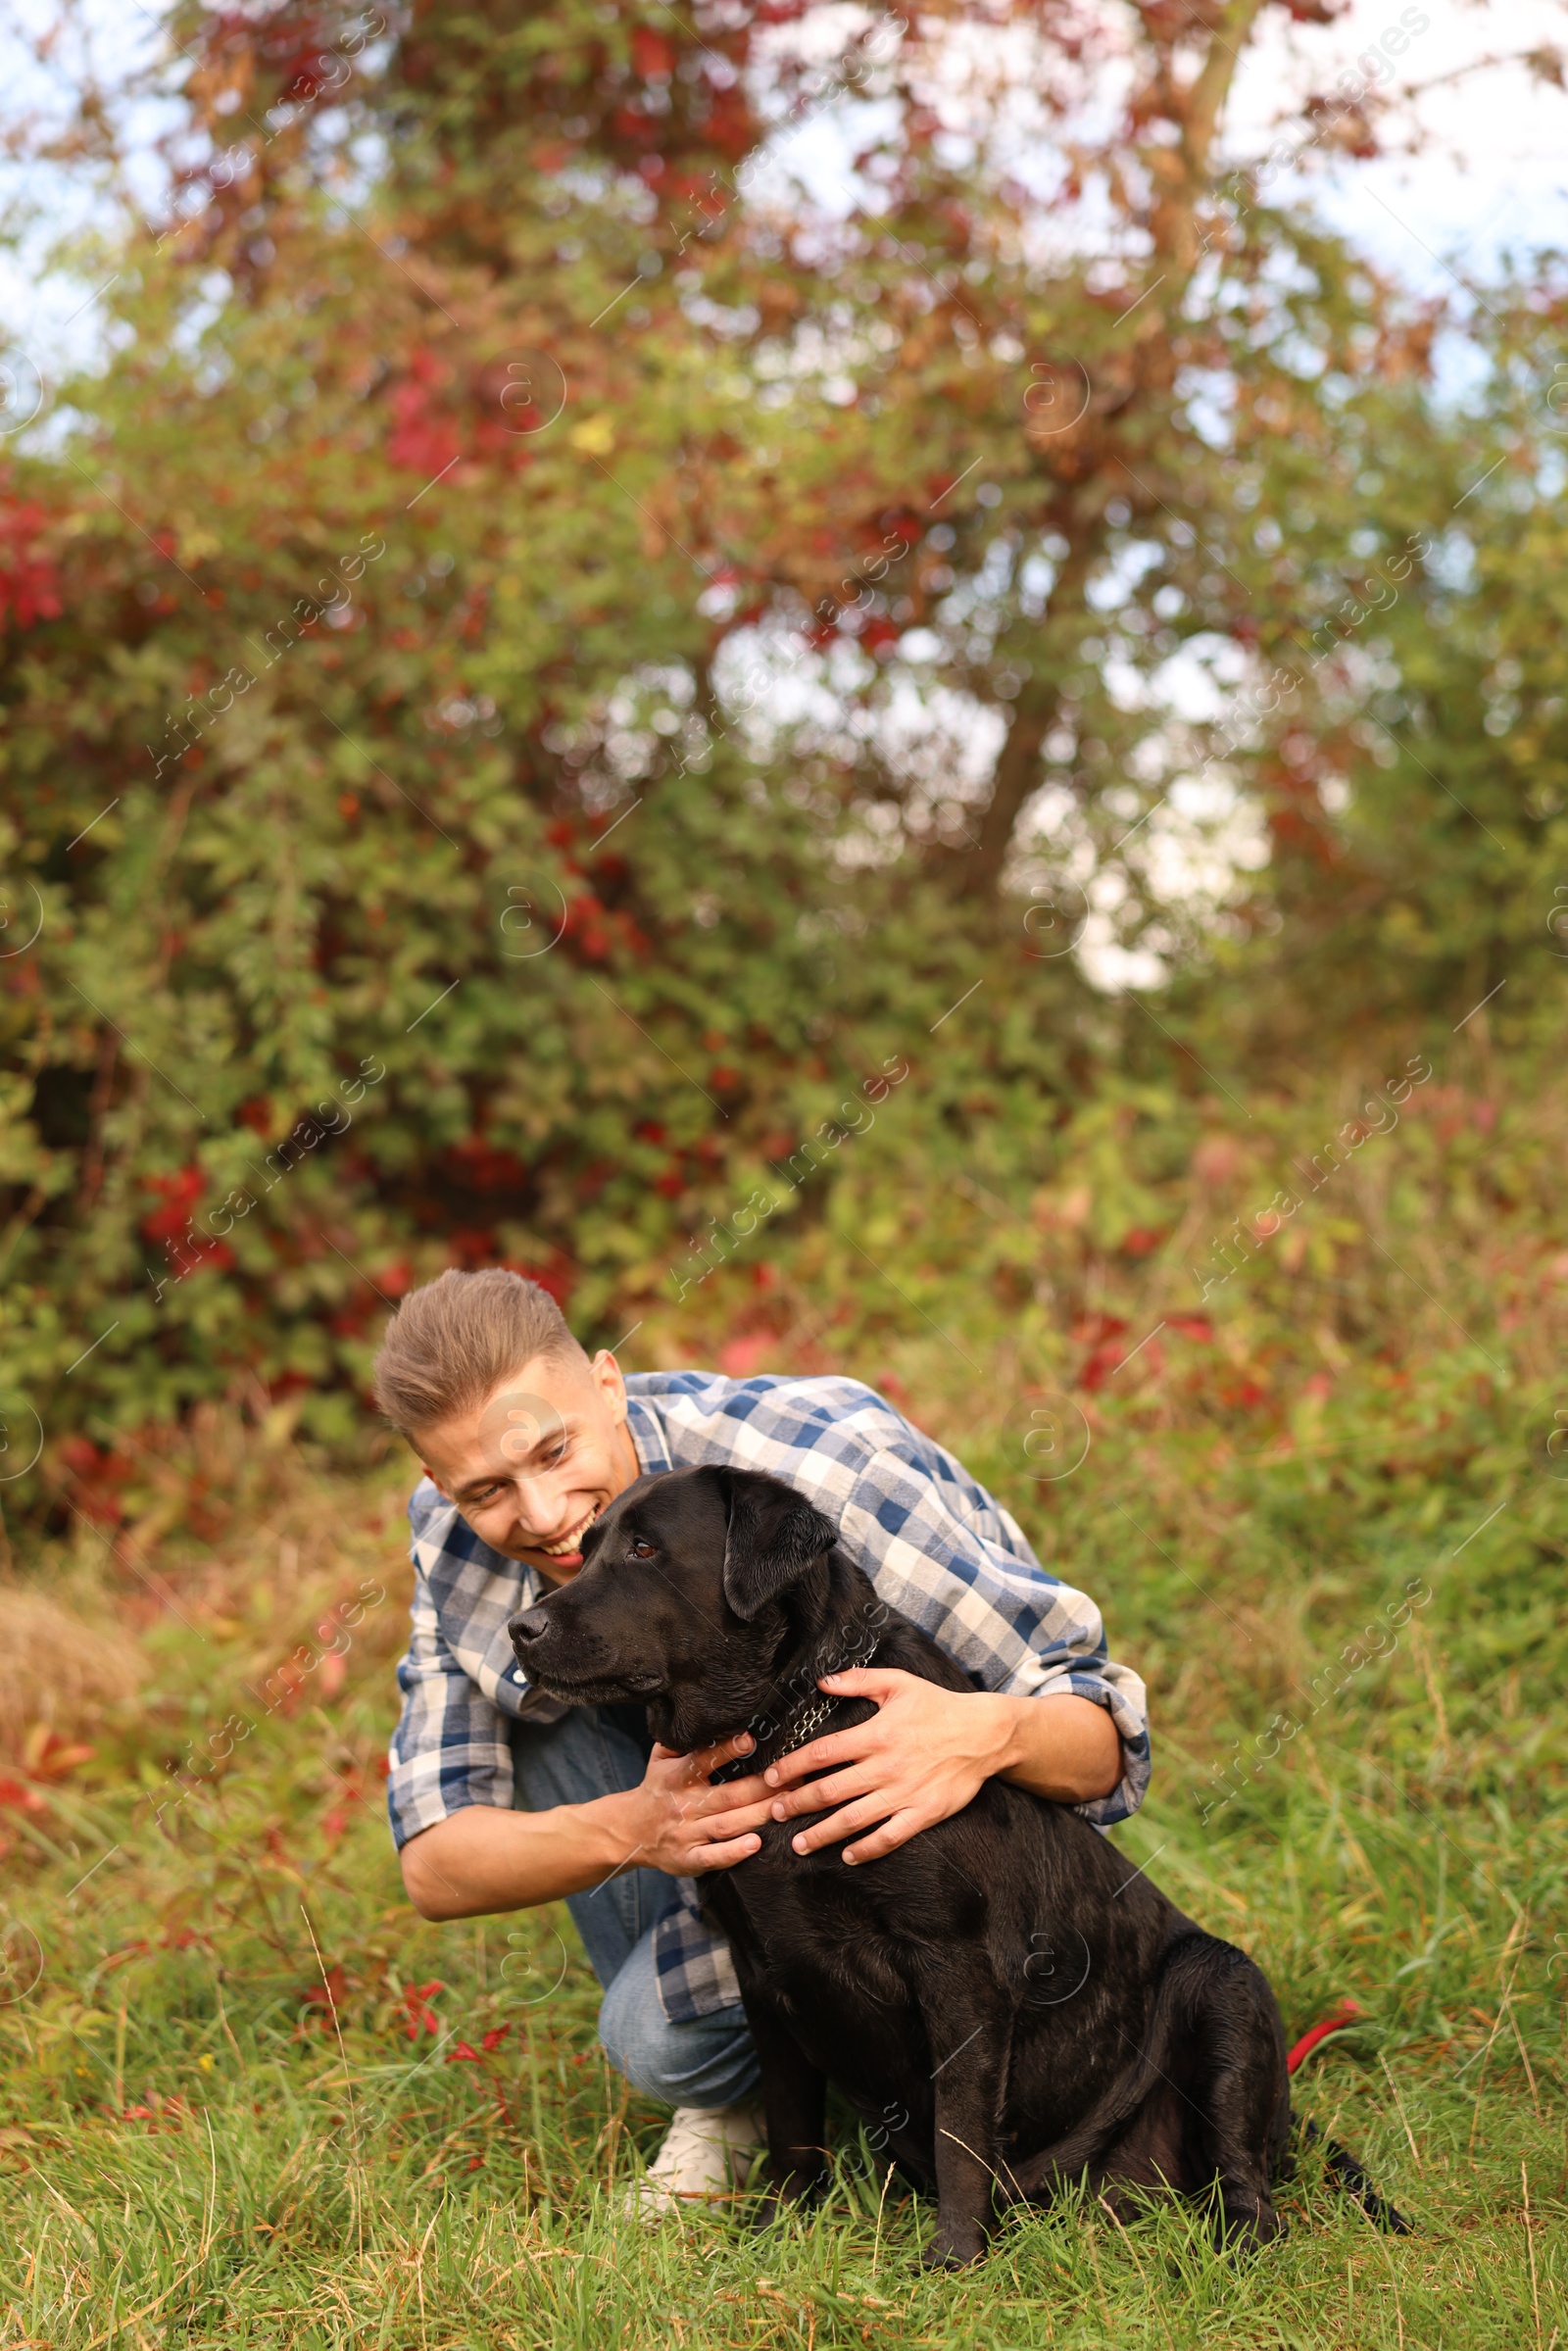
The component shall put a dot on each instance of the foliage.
(547, 657)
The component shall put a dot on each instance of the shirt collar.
(647, 1432)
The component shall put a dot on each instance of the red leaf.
(28, 582)
(652, 56)
(421, 2015)
(48, 1756)
(329, 1993)
(180, 1193)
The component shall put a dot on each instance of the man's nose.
(534, 1498)
(527, 1627)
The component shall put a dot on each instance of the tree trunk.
(1196, 108)
(979, 874)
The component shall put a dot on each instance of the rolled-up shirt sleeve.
(978, 1590)
(1119, 1691)
(451, 1746)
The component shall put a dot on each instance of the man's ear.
(772, 1538)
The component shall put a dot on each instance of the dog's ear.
(772, 1538)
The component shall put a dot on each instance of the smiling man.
(502, 1798)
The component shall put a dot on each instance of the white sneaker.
(708, 2152)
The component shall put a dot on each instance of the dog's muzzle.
(528, 1633)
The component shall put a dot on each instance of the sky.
(1481, 159)
(1490, 168)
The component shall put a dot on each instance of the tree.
(551, 659)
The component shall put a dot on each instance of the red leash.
(1345, 2014)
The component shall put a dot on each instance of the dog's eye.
(642, 1550)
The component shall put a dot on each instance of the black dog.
(1022, 2006)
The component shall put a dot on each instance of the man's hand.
(926, 1751)
(678, 1823)
(486, 1857)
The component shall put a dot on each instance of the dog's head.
(679, 1600)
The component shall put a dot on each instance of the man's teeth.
(568, 1542)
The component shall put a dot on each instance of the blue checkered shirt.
(934, 1543)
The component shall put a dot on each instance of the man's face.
(533, 1466)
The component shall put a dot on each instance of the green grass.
(286, 2181)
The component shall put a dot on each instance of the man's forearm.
(1064, 1748)
(485, 1858)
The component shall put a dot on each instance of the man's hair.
(451, 1344)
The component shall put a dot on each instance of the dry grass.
(58, 1670)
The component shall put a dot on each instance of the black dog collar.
(805, 1726)
(796, 1731)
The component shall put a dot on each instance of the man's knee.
(638, 2037)
(708, 2062)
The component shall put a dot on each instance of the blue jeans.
(601, 1752)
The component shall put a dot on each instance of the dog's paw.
(954, 2250)
(772, 2203)
(1246, 2228)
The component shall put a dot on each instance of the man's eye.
(642, 1550)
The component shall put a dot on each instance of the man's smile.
(568, 1545)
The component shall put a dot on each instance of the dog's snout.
(528, 1628)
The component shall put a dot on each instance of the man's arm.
(1066, 1748)
(483, 1858)
(927, 1752)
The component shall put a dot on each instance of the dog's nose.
(529, 1627)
